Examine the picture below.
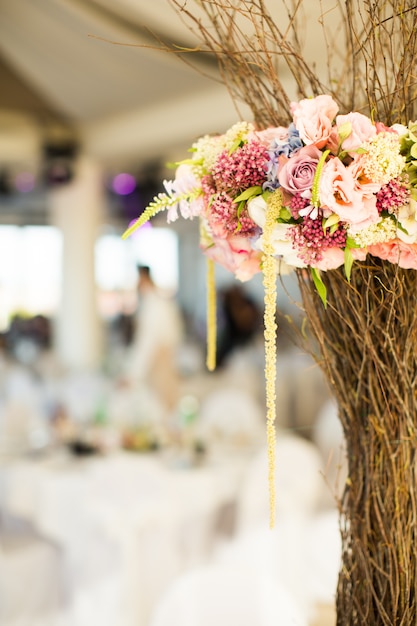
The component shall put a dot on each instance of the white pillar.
(76, 209)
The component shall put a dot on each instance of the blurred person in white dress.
(152, 359)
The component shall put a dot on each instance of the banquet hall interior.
(129, 502)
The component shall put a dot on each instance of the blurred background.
(130, 499)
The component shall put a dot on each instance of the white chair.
(216, 595)
(231, 415)
(324, 555)
(298, 482)
(281, 552)
(301, 390)
(22, 412)
(32, 585)
(328, 435)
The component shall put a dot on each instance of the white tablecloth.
(128, 524)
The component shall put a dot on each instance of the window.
(30, 271)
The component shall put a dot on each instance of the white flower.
(283, 247)
(185, 189)
(257, 210)
(400, 129)
(281, 240)
(407, 217)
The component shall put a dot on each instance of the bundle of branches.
(365, 57)
(367, 341)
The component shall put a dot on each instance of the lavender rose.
(296, 175)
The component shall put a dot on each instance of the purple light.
(24, 182)
(123, 184)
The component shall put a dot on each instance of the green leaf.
(401, 228)
(333, 220)
(351, 243)
(236, 144)
(413, 151)
(285, 214)
(184, 162)
(240, 208)
(248, 193)
(320, 286)
(412, 134)
(348, 262)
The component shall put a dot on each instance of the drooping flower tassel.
(269, 269)
(211, 316)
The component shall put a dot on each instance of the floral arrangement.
(332, 195)
(339, 187)
(321, 193)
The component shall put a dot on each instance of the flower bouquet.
(319, 186)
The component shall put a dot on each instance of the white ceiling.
(126, 101)
(90, 69)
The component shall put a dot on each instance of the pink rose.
(369, 213)
(362, 129)
(234, 254)
(267, 136)
(335, 257)
(313, 119)
(398, 252)
(359, 254)
(331, 259)
(333, 141)
(340, 192)
(362, 182)
(297, 173)
(381, 128)
(337, 189)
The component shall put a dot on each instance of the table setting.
(129, 507)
